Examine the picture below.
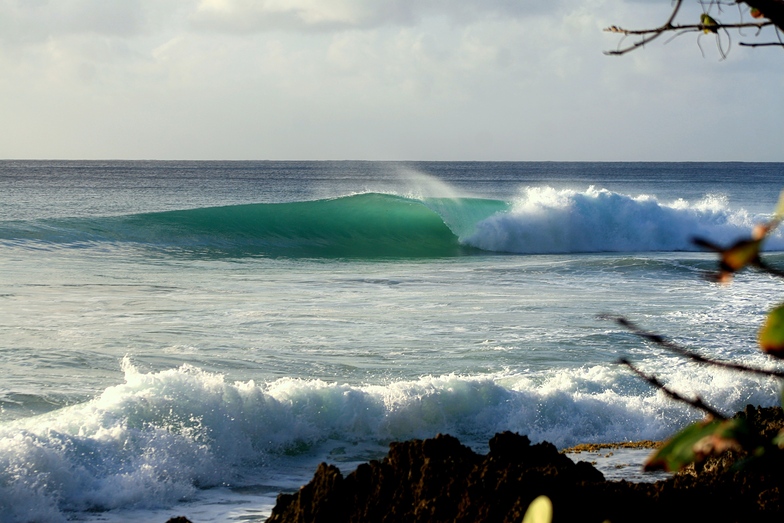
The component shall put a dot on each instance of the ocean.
(192, 338)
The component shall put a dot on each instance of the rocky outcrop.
(440, 480)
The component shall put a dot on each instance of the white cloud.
(406, 79)
(328, 15)
(24, 21)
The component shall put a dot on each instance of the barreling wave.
(162, 437)
(540, 221)
(363, 225)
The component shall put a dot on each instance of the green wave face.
(365, 225)
(369, 225)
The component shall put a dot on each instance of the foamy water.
(545, 220)
(199, 361)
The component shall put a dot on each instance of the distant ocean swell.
(540, 221)
(159, 437)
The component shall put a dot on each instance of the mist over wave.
(546, 220)
(160, 437)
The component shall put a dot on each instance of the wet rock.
(440, 480)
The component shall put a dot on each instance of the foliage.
(698, 441)
(716, 433)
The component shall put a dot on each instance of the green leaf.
(778, 439)
(708, 23)
(698, 441)
(539, 511)
(771, 335)
(778, 214)
(781, 399)
(761, 230)
(741, 254)
(738, 255)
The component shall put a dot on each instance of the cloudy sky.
(377, 80)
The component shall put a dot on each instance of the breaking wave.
(159, 438)
(540, 221)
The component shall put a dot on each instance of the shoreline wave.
(161, 437)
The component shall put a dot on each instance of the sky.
(499, 80)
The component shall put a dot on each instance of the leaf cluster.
(717, 434)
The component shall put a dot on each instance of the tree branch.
(687, 27)
(658, 32)
(760, 264)
(674, 347)
(697, 402)
(771, 10)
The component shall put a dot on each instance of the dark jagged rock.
(440, 480)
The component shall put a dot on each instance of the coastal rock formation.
(440, 480)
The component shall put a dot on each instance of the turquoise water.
(194, 337)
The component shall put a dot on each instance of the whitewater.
(192, 338)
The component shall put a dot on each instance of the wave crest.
(161, 436)
(546, 220)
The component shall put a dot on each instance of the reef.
(440, 480)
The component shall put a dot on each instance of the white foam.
(548, 220)
(159, 437)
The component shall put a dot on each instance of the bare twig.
(676, 35)
(674, 347)
(766, 44)
(656, 33)
(773, 9)
(697, 402)
(684, 27)
(763, 265)
(722, 52)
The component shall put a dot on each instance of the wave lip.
(549, 221)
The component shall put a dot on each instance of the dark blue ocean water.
(38, 189)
